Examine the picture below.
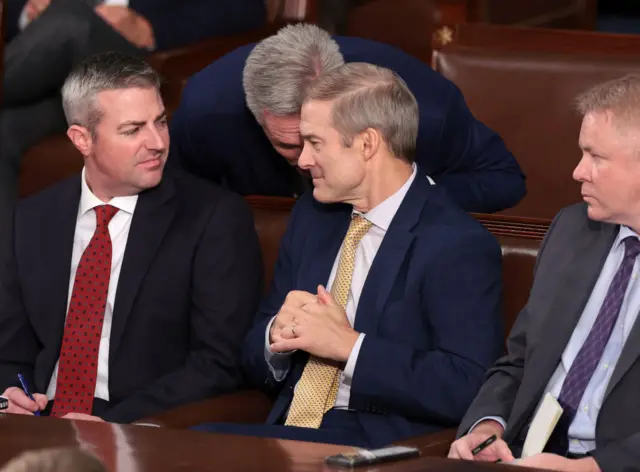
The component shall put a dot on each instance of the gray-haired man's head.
(276, 75)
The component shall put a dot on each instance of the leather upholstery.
(522, 83)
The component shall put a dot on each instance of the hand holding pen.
(483, 443)
(23, 403)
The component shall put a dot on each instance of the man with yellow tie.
(398, 343)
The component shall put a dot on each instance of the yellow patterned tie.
(317, 389)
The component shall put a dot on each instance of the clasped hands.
(21, 404)
(315, 324)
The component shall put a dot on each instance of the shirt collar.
(624, 233)
(382, 214)
(88, 200)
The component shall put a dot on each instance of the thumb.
(41, 400)
(325, 297)
(503, 452)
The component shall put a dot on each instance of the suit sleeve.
(479, 173)
(186, 21)
(254, 363)
(461, 307)
(226, 284)
(18, 342)
(503, 380)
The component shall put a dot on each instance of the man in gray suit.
(577, 337)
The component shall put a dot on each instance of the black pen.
(484, 444)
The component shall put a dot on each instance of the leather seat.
(522, 83)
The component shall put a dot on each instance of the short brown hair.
(619, 96)
(368, 96)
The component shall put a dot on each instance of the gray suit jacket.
(568, 266)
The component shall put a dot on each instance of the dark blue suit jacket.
(215, 136)
(430, 310)
(179, 22)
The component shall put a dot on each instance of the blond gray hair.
(280, 67)
(105, 71)
(368, 96)
(55, 460)
(619, 96)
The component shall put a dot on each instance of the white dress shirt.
(24, 20)
(119, 232)
(381, 217)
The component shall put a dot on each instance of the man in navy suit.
(59, 34)
(398, 343)
(239, 137)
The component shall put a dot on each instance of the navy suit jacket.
(215, 135)
(430, 310)
(179, 22)
(186, 296)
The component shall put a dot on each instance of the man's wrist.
(146, 38)
(349, 343)
(489, 427)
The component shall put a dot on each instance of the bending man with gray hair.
(125, 290)
(578, 338)
(384, 313)
(238, 122)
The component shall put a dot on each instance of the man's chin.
(151, 179)
(321, 195)
(595, 213)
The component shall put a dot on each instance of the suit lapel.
(573, 292)
(629, 355)
(325, 245)
(391, 256)
(57, 249)
(154, 212)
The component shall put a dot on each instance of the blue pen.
(23, 382)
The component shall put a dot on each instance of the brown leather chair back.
(270, 215)
(520, 240)
(405, 24)
(523, 84)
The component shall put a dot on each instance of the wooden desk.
(141, 449)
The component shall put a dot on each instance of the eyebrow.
(142, 123)
(310, 136)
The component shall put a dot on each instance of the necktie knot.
(358, 228)
(104, 215)
(632, 247)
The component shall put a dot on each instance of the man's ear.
(370, 142)
(81, 139)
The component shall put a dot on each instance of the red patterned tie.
(78, 366)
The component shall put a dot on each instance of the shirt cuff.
(497, 419)
(278, 362)
(23, 21)
(350, 367)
